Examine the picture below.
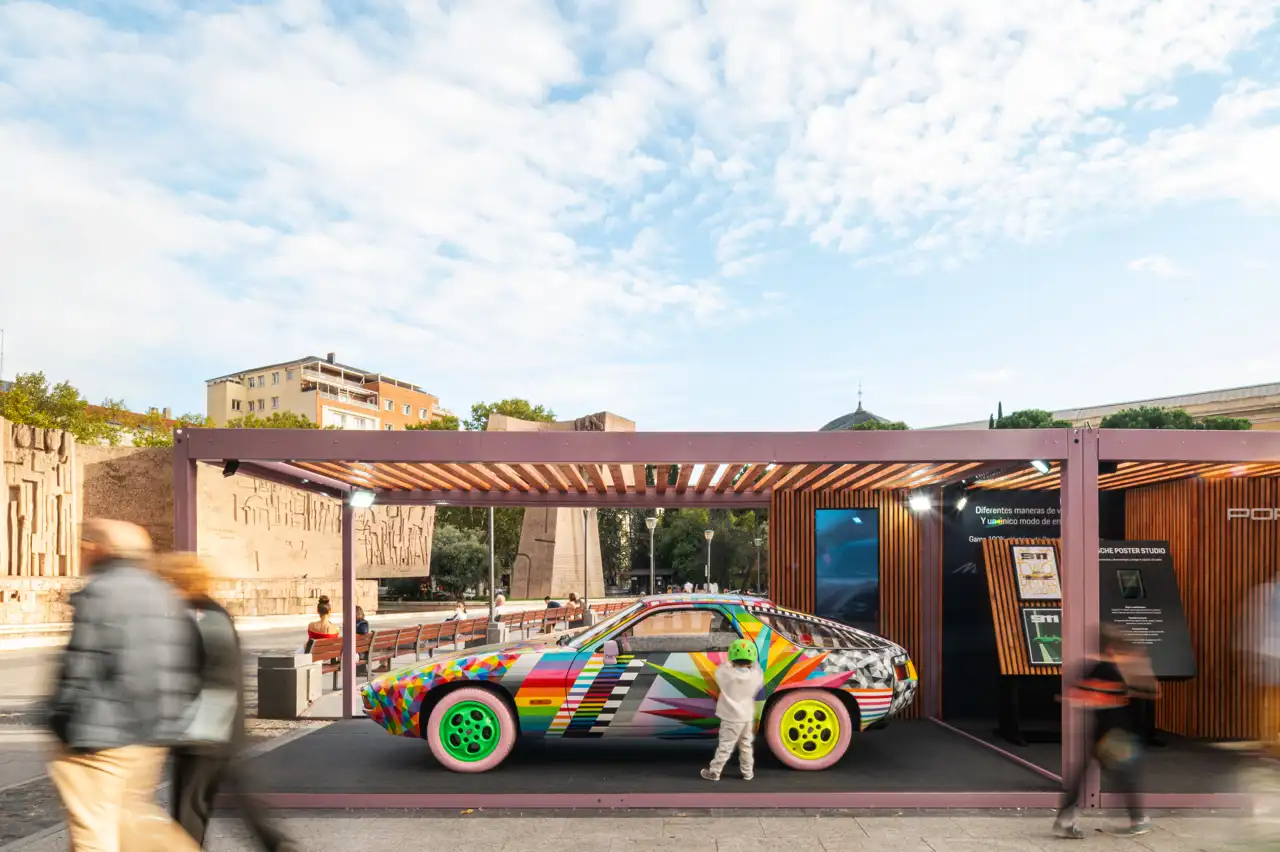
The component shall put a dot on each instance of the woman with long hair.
(322, 627)
(205, 761)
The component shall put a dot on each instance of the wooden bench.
(328, 652)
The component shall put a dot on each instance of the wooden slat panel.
(1219, 564)
(704, 481)
(510, 477)
(748, 479)
(792, 560)
(1006, 608)
(641, 478)
(553, 477)
(596, 477)
(619, 481)
(727, 478)
(574, 476)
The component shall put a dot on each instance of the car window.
(817, 633)
(677, 631)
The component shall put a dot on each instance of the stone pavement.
(734, 832)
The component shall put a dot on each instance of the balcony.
(328, 379)
(346, 400)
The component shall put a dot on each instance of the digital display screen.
(847, 574)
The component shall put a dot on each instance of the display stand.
(1027, 615)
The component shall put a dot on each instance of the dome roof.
(854, 418)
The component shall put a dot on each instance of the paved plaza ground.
(720, 832)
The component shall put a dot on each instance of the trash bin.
(288, 683)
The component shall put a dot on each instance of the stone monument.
(550, 561)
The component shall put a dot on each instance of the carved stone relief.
(38, 536)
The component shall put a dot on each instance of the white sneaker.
(710, 776)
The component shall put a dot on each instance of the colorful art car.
(648, 671)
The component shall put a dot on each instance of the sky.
(715, 215)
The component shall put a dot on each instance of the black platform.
(358, 756)
(1181, 765)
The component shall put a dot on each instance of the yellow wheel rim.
(810, 729)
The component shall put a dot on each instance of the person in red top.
(322, 628)
(1120, 672)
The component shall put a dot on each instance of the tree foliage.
(680, 544)
(459, 559)
(520, 408)
(444, 423)
(32, 402)
(615, 544)
(1154, 417)
(275, 420)
(153, 431)
(879, 426)
(1028, 418)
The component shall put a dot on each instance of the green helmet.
(743, 649)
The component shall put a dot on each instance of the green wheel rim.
(470, 731)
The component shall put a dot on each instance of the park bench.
(382, 650)
(428, 640)
(328, 652)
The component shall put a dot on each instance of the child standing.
(740, 681)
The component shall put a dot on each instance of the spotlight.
(230, 467)
(919, 502)
(1041, 466)
(360, 499)
(962, 502)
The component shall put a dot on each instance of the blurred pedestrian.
(1120, 672)
(125, 685)
(1262, 650)
(205, 760)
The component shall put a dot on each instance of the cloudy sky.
(701, 215)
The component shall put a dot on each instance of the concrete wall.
(253, 530)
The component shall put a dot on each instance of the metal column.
(350, 701)
(184, 495)
(1080, 601)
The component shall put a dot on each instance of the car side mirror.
(610, 651)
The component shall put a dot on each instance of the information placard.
(1138, 590)
(1036, 568)
(1043, 629)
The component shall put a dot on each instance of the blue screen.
(848, 567)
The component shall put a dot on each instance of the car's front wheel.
(808, 729)
(471, 730)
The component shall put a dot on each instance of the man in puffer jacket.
(126, 684)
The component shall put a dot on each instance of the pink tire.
(808, 729)
(471, 730)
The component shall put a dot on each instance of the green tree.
(32, 402)
(446, 423)
(153, 431)
(520, 408)
(1030, 418)
(615, 544)
(275, 420)
(459, 559)
(1154, 417)
(879, 426)
(507, 524)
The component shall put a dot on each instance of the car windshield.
(594, 633)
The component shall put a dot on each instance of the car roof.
(705, 598)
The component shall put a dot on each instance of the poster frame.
(1023, 594)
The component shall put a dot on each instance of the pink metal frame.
(267, 453)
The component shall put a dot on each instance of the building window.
(235, 405)
(408, 409)
(388, 427)
(262, 404)
(423, 414)
(262, 381)
(275, 402)
(252, 382)
(288, 375)
(275, 378)
(391, 405)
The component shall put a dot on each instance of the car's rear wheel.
(471, 730)
(808, 729)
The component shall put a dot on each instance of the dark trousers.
(198, 776)
(1127, 779)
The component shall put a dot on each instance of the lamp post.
(758, 541)
(652, 523)
(709, 534)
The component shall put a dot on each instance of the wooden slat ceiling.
(1126, 475)
(736, 478)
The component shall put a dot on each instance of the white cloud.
(432, 190)
(1156, 102)
(1159, 266)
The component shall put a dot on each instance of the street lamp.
(652, 523)
(758, 541)
(709, 534)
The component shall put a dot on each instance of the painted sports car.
(648, 671)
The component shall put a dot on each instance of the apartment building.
(325, 392)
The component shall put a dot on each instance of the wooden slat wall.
(1219, 563)
(1006, 608)
(792, 559)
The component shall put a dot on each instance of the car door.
(655, 676)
